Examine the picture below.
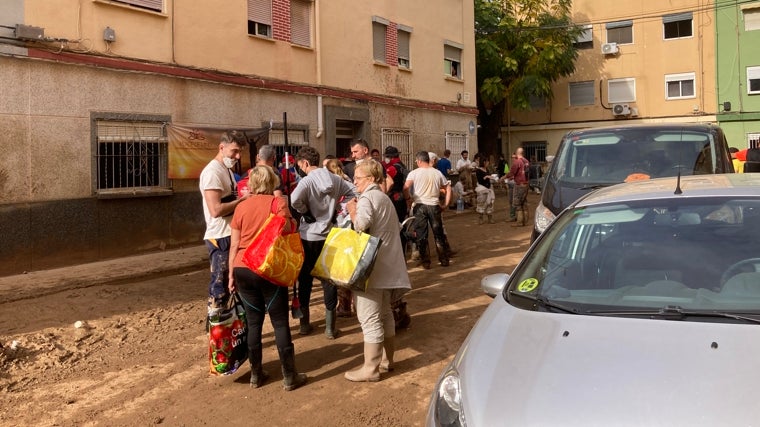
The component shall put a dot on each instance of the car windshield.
(688, 253)
(611, 157)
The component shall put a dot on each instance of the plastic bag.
(228, 339)
(347, 258)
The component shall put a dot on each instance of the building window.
(537, 102)
(581, 93)
(620, 32)
(457, 142)
(404, 57)
(300, 22)
(751, 18)
(677, 26)
(131, 153)
(401, 139)
(298, 136)
(452, 59)
(585, 39)
(621, 90)
(379, 28)
(260, 18)
(153, 5)
(753, 80)
(535, 151)
(679, 86)
(753, 140)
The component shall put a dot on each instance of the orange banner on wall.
(191, 148)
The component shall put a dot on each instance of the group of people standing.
(367, 191)
(476, 177)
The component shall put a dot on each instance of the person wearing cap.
(396, 172)
(423, 186)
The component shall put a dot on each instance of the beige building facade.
(638, 62)
(87, 88)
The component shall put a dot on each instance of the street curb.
(114, 271)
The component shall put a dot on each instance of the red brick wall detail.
(281, 20)
(391, 44)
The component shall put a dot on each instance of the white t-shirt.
(216, 176)
(462, 163)
(427, 185)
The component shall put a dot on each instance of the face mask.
(300, 172)
(230, 163)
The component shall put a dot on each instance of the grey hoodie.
(319, 193)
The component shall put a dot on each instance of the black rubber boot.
(258, 375)
(331, 332)
(291, 379)
(305, 327)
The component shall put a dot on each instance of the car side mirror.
(493, 284)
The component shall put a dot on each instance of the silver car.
(638, 306)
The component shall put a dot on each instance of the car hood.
(520, 367)
(558, 195)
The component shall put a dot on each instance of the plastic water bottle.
(460, 205)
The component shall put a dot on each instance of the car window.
(625, 154)
(702, 254)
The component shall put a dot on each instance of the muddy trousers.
(430, 215)
(311, 251)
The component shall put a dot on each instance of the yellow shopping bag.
(347, 258)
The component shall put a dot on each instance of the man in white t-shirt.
(464, 161)
(424, 185)
(218, 188)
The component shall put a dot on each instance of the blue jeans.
(218, 255)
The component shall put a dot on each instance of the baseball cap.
(391, 151)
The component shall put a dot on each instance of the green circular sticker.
(528, 285)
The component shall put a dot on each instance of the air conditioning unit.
(610, 48)
(621, 110)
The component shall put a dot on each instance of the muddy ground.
(141, 356)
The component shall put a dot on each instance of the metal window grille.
(296, 139)
(401, 139)
(753, 140)
(131, 155)
(535, 149)
(457, 142)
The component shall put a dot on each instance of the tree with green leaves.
(521, 48)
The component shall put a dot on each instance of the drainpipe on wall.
(318, 52)
(319, 116)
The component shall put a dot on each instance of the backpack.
(400, 178)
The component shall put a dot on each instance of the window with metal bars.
(534, 150)
(130, 154)
(297, 138)
(457, 142)
(753, 140)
